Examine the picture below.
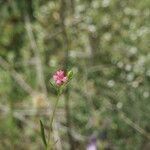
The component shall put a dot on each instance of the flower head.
(92, 143)
(91, 147)
(60, 78)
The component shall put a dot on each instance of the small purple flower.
(91, 147)
(92, 144)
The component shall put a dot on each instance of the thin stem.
(52, 118)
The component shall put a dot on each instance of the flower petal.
(55, 77)
(64, 79)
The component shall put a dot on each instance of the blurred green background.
(107, 45)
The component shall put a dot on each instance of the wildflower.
(92, 143)
(91, 147)
(60, 77)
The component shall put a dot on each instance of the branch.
(17, 77)
(39, 68)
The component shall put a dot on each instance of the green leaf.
(55, 88)
(43, 134)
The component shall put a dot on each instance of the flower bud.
(70, 74)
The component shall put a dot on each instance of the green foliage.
(105, 42)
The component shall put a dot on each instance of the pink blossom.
(60, 77)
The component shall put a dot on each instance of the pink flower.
(60, 77)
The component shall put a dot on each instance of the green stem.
(51, 120)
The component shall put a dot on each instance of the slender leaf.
(54, 86)
(43, 134)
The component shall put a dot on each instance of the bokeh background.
(107, 45)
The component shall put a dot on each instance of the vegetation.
(106, 45)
